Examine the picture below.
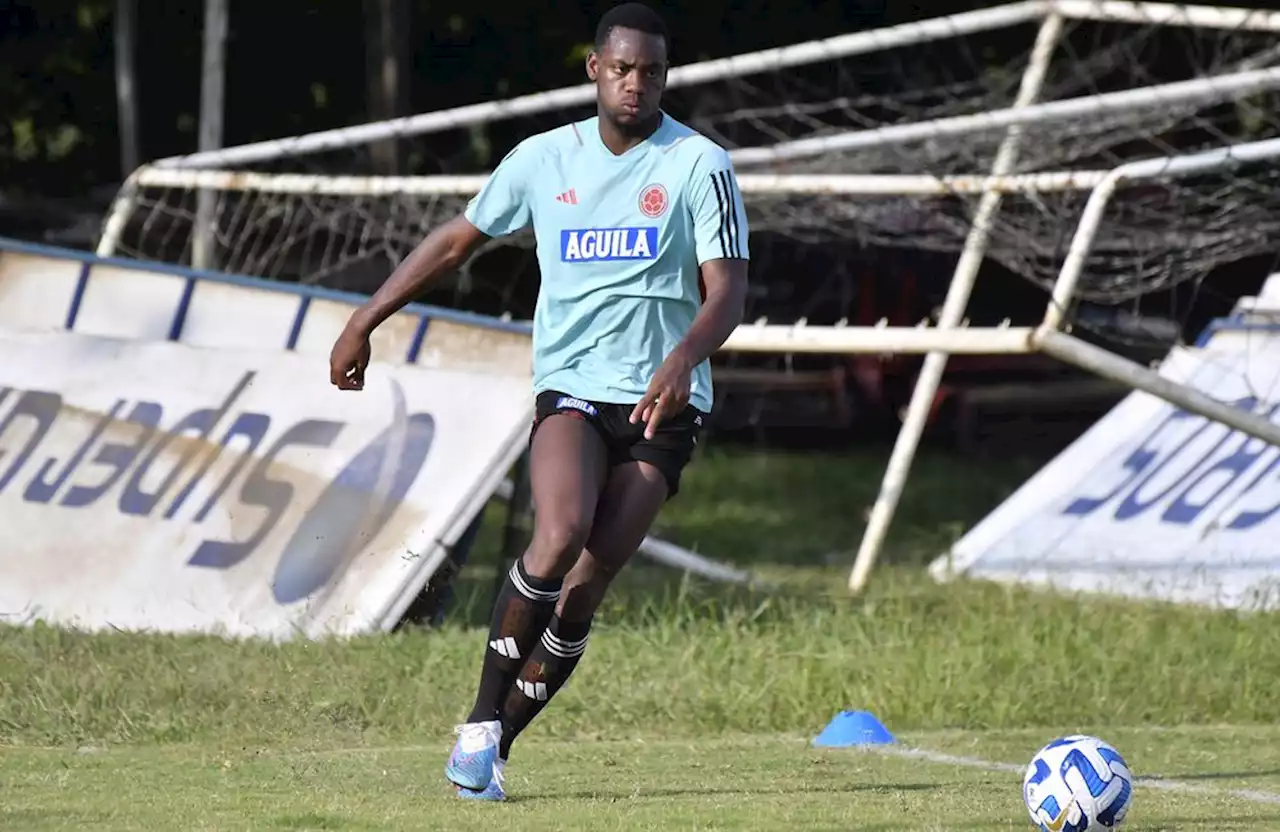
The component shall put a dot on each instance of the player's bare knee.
(589, 570)
(556, 545)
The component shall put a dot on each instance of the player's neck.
(620, 139)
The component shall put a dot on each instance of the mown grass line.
(676, 658)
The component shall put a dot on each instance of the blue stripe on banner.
(420, 335)
(77, 297)
(180, 314)
(296, 329)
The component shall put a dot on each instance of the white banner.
(158, 486)
(1153, 501)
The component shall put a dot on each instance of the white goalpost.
(1124, 149)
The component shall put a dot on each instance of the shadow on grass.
(694, 791)
(1257, 821)
(1216, 775)
(1271, 821)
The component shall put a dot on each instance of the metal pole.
(1209, 89)
(117, 220)
(1096, 360)
(751, 183)
(1169, 167)
(961, 287)
(212, 84)
(1171, 14)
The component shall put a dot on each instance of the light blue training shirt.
(619, 243)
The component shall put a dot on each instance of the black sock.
(525, 605)
(553, 659)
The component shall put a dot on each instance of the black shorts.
(669, 450)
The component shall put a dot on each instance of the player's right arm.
(500, 208)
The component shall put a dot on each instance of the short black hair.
(632, 16)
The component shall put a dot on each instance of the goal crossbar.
(1203, 90)
(894, 340)
(1213, 88)
(750, 183)
(873, 40)
(1171, 14)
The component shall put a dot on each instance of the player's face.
(630, 72)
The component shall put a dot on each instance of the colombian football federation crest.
(653, 201)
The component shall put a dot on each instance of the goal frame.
(950, 333)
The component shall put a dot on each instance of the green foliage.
(58, 71)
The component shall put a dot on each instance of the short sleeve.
(719, 216)
(502, 206)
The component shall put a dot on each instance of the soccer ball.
(1076, 783)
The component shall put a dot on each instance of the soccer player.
(642, 248)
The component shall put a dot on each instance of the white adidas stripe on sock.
(557, 646)
(505, 647)
(522, 586)
(533, 690)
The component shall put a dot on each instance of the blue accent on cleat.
(493, 792)
(474, 756)
(471, 771)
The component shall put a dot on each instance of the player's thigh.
(567, 468)
(632, 498)
(671, 448)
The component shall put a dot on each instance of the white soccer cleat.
(475, 755)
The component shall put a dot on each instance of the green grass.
(764, 782)
(692, 705)
(921, 657)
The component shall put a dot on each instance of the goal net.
(884, 138)
(1112, 155)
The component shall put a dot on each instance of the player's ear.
(593, 65)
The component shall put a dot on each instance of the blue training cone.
(853, 728)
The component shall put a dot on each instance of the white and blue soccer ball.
(1077, 783)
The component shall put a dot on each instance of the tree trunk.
(125, 30)
(386, 37)
(212, 83)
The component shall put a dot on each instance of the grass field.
(695, 704)
(745, 782)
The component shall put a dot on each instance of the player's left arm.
(720, 243)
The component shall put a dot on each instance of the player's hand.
(668, 394)
(348, 359)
